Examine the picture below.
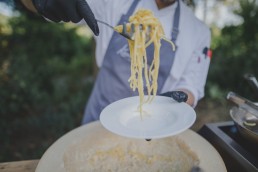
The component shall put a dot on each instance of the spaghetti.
(147, 31)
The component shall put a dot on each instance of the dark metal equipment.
(238, 153)
(237, 140)
(245, 117)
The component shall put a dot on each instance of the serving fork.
(124, 33)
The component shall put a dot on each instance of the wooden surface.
(19, 166)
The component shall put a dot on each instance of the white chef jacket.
(191, 65)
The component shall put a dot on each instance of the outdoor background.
(47, 72)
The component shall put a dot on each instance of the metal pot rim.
(239, 115)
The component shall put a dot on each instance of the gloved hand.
(67, 10)
(178, 96)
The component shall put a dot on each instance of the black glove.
(67, 10)
(178, 96)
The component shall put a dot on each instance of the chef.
(182, 73)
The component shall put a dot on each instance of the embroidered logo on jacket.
(124, 52)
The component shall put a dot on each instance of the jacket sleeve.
(195, 74)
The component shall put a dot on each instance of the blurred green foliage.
(235, 54)
(45, 79)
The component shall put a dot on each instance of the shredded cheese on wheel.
(147, 30)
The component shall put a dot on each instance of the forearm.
(29, 5)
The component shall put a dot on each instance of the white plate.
(162, 117)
